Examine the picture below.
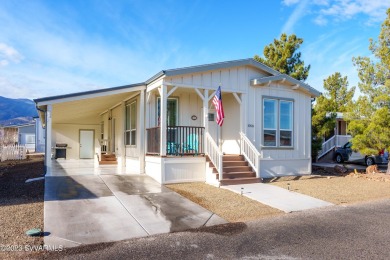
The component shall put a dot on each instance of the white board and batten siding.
(233, 79)
(175, 170)
(132, 152)
(281, 161)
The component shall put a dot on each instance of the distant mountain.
(16, 111)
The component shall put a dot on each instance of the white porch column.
(206, 110)
(242, 113)
(48, 144)
(163, 121)
(123, 124)
(141, 131)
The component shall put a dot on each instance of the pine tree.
(282, 56)
(336, 98)
(370, 116)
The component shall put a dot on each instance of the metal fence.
(180, 140)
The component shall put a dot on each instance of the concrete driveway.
(93, 208)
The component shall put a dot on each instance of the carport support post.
(142, 132)
(163, 121)
(48, 140)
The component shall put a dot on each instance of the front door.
(86, 144)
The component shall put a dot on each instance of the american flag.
(217, 101)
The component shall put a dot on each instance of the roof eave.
(283, 77)
(87, 94)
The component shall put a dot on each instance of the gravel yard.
(226, 204)
(346, 188)
(21, 206)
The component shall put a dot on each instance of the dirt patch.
(21, 206)
(336, 187)
(226, 204)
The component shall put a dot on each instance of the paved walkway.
(276, 197)
(92, 208)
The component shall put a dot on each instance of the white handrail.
(104, 145)
(215, 155)
(251, 154)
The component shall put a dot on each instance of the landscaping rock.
(340, 169)
(372, 169)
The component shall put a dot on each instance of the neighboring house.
(338, 139)
(29, 135)
(39, 136)
(26, 136)
(165, 127)
(8, 135)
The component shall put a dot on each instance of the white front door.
(86, 144)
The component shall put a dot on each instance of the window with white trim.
(131, 124)
(30, 139)
(277, 122)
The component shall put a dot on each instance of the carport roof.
(96, 92)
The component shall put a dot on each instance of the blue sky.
(57, 47)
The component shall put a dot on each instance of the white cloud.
(296, 15)
(320, 20)
(290, 2)
(9, 54)
(3, 63)
(375, 10)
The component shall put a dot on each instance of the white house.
(30, 135)
(165, 127)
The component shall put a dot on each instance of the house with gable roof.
(165, 127)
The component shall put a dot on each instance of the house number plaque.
(251, 125)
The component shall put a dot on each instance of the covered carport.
(66, 118)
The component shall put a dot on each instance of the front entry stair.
(108, 159)
(236, 170)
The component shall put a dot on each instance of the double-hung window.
(131, 124)
(277, 122)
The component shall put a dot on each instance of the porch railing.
(331, 143)
(215, 154)
(104, 144)
(251, 154)
(181, 140)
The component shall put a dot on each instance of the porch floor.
(62, 167)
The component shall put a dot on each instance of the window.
(270, 122)
(30, 139)
(285, 122)
(131, 124)
(102, 130)
(277, 122)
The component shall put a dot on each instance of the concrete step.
(246, 180)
